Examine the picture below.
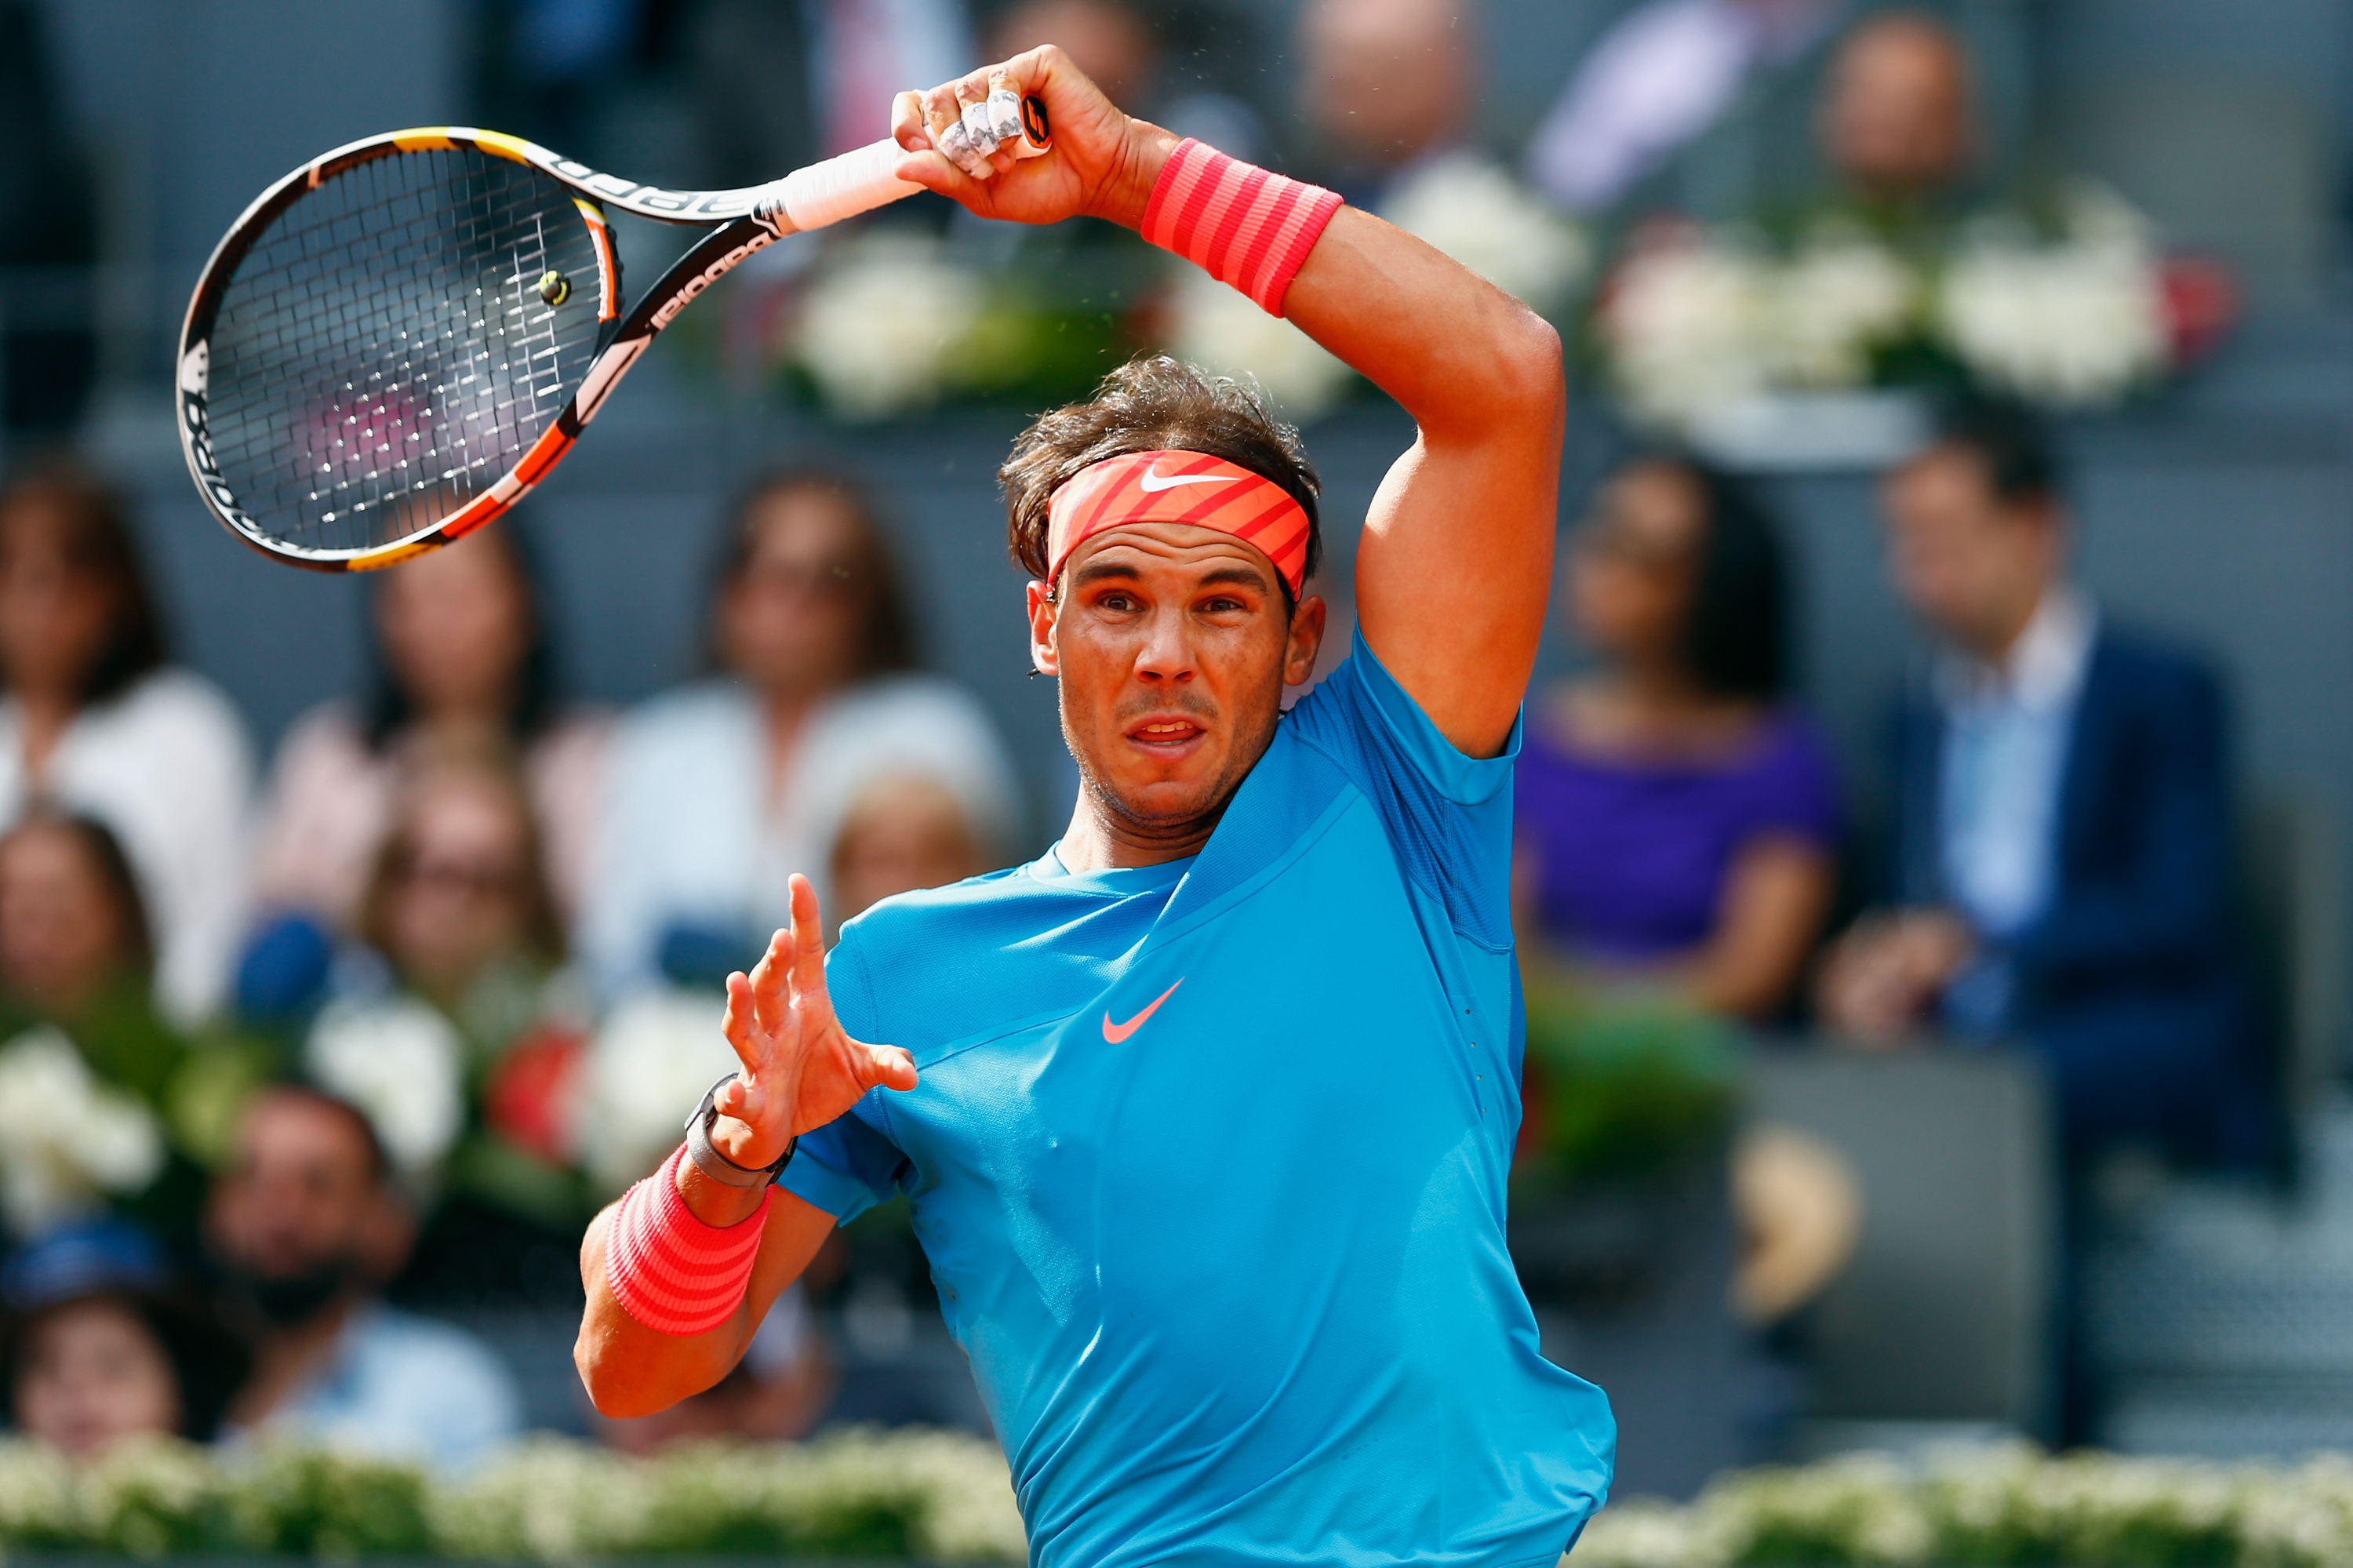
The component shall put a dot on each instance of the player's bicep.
(1453, 572)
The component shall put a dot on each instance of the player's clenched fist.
(1104, 160)
(799, 1069)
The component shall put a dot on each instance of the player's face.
(1172, 649)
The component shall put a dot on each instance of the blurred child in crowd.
(305, 1224)
(1678, 819)
(816, 697)
(95, 720)
(905, 831)
(464, 665)
(96, 1346)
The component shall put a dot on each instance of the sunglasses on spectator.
(476, 878)
(833, 580)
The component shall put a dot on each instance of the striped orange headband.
(1179, 487)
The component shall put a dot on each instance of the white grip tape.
(845, 187)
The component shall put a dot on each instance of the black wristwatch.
(717, 1166)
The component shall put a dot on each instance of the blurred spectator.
(95, 721)
(76, 955)
(305, 1227)
(775, 1394)
(711, 93)
(1678, 820)
(904, 831)
(460, 913)
(2062, 857)
(49, 241)
(1387, 84)
(464, 661)
(96, 1346)
(1125, 48)
(817, 700)
(1657, 79)
(1896, 120)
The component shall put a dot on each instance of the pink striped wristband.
(1242, 225)
(670, 1271)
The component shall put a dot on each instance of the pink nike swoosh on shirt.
(1117, 1033)
(1153, 481)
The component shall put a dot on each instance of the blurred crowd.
(297, 1059)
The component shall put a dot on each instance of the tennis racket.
(397, 340)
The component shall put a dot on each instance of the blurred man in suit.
(2063, 855)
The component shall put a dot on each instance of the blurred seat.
(2292, 920)
(1939, 1324)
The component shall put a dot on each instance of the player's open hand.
(799, 1069)
(1103, 164)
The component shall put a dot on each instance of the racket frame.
(745, 221)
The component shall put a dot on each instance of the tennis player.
(1206, 1114)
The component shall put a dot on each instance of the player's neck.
(1099, 839)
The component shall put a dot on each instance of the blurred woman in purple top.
(1677, 821)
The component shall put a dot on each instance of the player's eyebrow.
(1241, 577)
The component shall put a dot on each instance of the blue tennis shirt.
(1208, 1158)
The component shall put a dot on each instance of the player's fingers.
(887, 1066)
(934, 172)
(808, 940)
(737, 1098)
(907, 126)
(769, 981)
(942, 109)
(743, 1035)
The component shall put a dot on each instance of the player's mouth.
(1167, 734)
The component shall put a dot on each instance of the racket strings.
(382, 356)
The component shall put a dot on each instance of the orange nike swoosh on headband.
(1153, 481)
(1117, 1033)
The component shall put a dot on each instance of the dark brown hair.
(1149, 404)
(885, 640)
(103, 851)
(98, 540)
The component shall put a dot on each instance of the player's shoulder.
(976, 910)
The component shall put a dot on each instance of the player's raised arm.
(1456, 560)
(680, 1272)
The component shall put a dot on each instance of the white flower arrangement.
(656, 1055)
(66, 1140)
(2075, 322)
(880, 329)
(1475, 210)
(1700, 318)
(401, 1064)
(1833, 301)
(1681, 324)
(1223, 331)
(945, 1498)
(940, 1496)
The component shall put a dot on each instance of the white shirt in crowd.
(1659, 79)
(167, 767)
(330, 799)
(691, 833)
(2004, 763)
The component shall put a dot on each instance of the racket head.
(381, 354)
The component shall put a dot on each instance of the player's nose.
(1167, 652)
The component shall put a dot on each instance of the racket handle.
(843, 186)
(863, 179)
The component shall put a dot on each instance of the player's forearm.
(1470, 364)
(631, 1370)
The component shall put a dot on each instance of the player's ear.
(1042, 656)
(1305, 639)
